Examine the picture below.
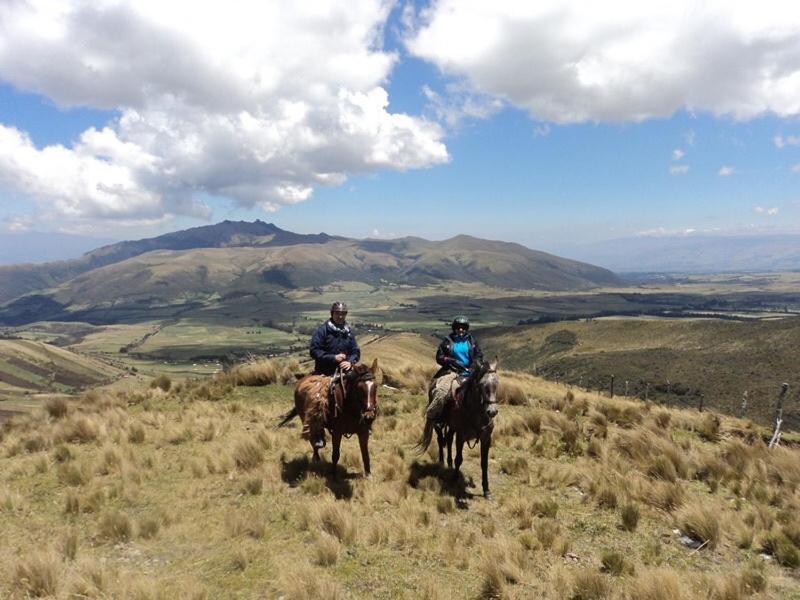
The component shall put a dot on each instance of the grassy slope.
(194, 494)
(721, 359)
(29, 366)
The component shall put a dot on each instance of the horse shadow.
(452, 482)
(296, 470)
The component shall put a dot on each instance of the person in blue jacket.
(457, 355)
(334, 349)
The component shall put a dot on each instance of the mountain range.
(236, 258)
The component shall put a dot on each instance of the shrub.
(708, 427)
(148, 527)
(136, 433)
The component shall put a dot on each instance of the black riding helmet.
(338, 307)
(460, 321)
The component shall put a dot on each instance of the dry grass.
(701, 523)
(239, 506)
(38, 575)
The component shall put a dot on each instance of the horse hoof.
(488, 496)
(367, 475)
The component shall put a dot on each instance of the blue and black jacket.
(328, 341)
(446, 358)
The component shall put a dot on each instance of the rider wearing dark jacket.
(334, 344)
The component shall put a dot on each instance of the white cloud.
(783, 141)
(573, 61)
(796, 168)
(678, 169)
(764, 210)
(18, 223)
(458, 104)
(725, 171)
(258, 102)
(678, 154)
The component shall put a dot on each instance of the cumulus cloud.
(678, 154)
(257, 102)
(573, 61)
(764, 210)
(678, 169)
(725, 171)
(783, 141)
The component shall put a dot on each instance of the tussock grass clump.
(115, 526)
(162, 382)
(665, 495)
(589, 585)
(248, 454)
(69, 545)
(546, 532)
(35, 443)
(260, 372)
(781, 547)
(136, 434)
(253, 485)
(701, 523)
(73, 474)
(657, 584)
(544, 507)
(709, 426)
(516, 465)
(326, 550)
(445, 505)
(56, 407)
(411, 377)
(62, 454)
(338, 522)
(629, 516)
(512, 393)
(311, 585)
(148, 527)
(78, 430)
(38, 575)
(662, 418)
(615, 564)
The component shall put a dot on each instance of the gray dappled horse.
(468, 417)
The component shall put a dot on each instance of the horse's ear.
(374, 366)
(493, 364)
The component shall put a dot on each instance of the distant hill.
(31, 367)
(670, 360)
(693, 253)
(230, 260)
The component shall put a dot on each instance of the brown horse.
(470, 418)
(351, 410)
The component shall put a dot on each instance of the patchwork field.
(28, 367)
(192, 493)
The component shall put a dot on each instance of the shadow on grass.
(452, 483)
(296, 470)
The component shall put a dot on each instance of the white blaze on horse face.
(370, 405)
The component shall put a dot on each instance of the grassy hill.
(230, 260)
(192, 493)
(33, 367)
(670, 360)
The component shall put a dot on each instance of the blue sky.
(502, 121)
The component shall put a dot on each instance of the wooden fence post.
(776, 437)
(700, 407)
(626, 387)
(612, 386)
(646, 391)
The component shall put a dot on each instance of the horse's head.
(485, 383)
(363, 388)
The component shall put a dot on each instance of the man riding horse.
(334, 350)
(457, 355)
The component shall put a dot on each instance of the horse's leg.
(459, 453)
(450, 434)
(440, 442)
(486, 443)
(336, 439)
(363, 442)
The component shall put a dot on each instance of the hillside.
(251, 258)
(193, 494)
(34, 367)
(670, 360)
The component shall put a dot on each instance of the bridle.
(347, 382)
(485, 399)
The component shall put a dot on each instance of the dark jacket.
(328, 341)
(444, 355)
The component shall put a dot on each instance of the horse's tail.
(288, 417)
(425, 440)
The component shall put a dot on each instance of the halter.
(343, 382)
